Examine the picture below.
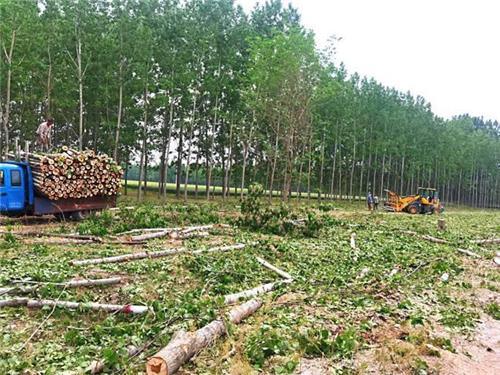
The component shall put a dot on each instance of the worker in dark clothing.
(369, 201)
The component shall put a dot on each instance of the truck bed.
(45, 206)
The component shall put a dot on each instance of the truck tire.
(79, 215)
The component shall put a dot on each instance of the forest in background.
(200, 91)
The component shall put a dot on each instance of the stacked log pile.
(75, 174)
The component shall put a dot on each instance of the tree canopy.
(197, 90)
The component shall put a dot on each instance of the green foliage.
(97, 224)
(9, 241)
(264, 343)
(456, 317)
(493, 309)
(279, 219)
(148, 216)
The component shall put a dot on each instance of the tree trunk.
(209, 154)
(245, 156)
(309, 166)
(382, 174)
(119, 117)
(80, 91)
(140, 193)
(188, 161)
(225, 189)
(167, 149)
(6, 112)
(275, 158)
(179, 161)
(332, 181)
(322, 166)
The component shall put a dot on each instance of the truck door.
(3, 192)
(13, 189)
(16, 191)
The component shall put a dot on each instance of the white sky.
(445, 50)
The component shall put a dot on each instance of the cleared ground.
(384, 307)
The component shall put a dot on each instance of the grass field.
(152, 186)
(394, 304)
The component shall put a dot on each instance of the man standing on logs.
(44, 135)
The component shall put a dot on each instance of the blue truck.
(18, 196)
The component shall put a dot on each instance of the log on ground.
(185, 345)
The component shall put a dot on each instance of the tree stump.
(441, 224)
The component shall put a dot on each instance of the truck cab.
(16, 192)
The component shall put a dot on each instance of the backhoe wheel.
(413, 210)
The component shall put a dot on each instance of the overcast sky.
(445, 50)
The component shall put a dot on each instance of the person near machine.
(369, 201)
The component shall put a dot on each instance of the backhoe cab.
(426, 201)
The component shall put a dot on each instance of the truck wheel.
(79, 215)
(413, 210)
(63, 216)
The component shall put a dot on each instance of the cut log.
(433, 239)
(441, 224)
(487, 241)
(152, 254)
(14, 302)
(151, 235)
(249, 293)
(185, 236)
(238, 246)
(353, 241)
(468, 252)
(127, 309)
(167, 231)
(129, 257)
(185, 345)
(268, 265)
(75, 174)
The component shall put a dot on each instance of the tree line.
(202, 92)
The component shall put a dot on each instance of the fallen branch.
(468, 252)
(75, 283)
(63, 242)
(185, 345)
(151, 255)
(127, 309)
(184, 236)
(55, 235)
(17, 290)
(164, 232)
(264, 288)
(268, 265)
(487, 241)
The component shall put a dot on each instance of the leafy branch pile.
(258, 214)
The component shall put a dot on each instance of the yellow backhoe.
(426, 201)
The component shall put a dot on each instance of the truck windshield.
(15, 178)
